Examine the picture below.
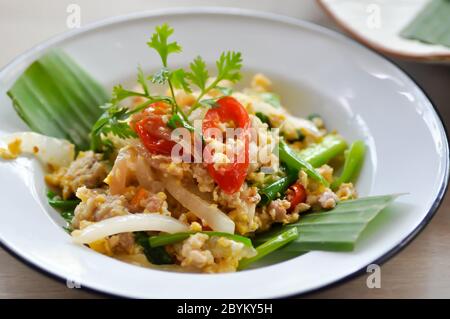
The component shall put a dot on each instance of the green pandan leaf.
(333, 230)
(56, 97)
(431, 25)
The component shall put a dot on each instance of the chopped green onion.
(64, 204)
(321, 153)
(56, 202)
(68, 216)
(277, 188)
(294, 162)
(168, 239)
(316, 155)
(352, 165)
(155, 255)
(269, 246)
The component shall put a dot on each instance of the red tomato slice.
(229, 176)
(296, 194)
(152, 131)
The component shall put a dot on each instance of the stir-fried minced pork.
(211, 254)
(275, 212)
(300, 208)
(97, 204)
(247, 195)
(122, 243)
(204, 180)
(327, 172)
(165, 165)
(145, 201)
(241, 206)
(277, 209)
(87, 170)
(328, 199)
(346, 191)
(118, 244)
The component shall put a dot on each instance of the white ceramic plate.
(378, 23)
(358, 93)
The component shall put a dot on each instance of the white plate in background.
(378, 23)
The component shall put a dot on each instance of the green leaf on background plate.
(431, 25)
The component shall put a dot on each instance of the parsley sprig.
(228, 68)
(114, 119)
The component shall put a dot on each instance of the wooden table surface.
(421, 270)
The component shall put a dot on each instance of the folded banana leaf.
(56, 97)
(333, 230)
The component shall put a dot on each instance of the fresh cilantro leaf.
(176, 120)
(111, 121)
(159, 42)
(229, 66)
(119, 94)
(142, 81)
(178, 79)
(120, 129)
(199, 74)
(161, 76)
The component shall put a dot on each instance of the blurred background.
(419, 271)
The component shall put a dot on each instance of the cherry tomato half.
(229, 176)
(152, 131)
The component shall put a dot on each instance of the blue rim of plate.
(29, 56)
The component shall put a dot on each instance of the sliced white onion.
(128, 223)
(117, 178)
(213, 216)
(49, 150)
(145, 176)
